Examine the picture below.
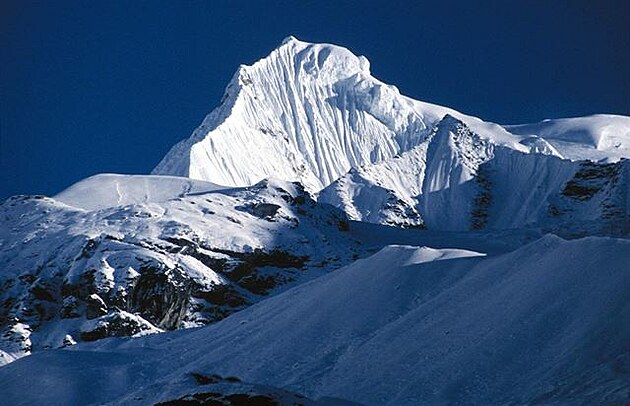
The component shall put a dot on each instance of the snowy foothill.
(406, 326)
(177, 258)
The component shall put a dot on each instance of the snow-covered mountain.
(435, 180)
(598, 137)
(457, 180)
(246, 226)
(85, 266)
(311, 112)
(306, 112)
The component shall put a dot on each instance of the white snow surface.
(407, 326)
(51, 253)
(597, 137)
(307, 112)
(109, 190)
(438, 316)
(457, 180)
(310, 112)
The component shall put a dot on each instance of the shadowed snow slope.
(407, 326)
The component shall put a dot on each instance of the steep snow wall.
(457, 180)
(310, 112)
(307, 112)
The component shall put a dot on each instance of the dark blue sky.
(89, 87)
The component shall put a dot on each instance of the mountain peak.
(306, 112)
(310, 112)
(450, 122)
(289, 39)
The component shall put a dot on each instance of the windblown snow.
(313, 113)
(307, 112)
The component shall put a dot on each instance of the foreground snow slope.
(407, 326)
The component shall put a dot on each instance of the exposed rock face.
(145, 268)
(162, 298)
(216, 390)
(95, 306)
(595, 199)
(482, 200)
(116, 324)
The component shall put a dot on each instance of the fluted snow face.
(311, 112)
(307, 112)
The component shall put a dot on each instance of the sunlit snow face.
(329, 63)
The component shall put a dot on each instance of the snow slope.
(109, 190)
(478, 318)
(71, 274)
(597, 137)
(406, 326)
(382, 193)
(457, 180)
(428, 185)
